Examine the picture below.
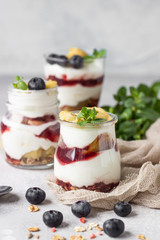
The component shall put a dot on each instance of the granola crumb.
(33, 208)
(37, 236)
(98, 228)
(79, 229)
(33, 229)
(89, 228)
(76, 237)
(141, 236)
(93, 224)
(29, 235)
(57, 237)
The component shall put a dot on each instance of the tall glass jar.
(30, 129)
(87, 157)
(76, 87)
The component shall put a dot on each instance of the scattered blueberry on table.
(52, 218)
(35, 195)
(81, 208)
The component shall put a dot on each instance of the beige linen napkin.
(140, 180)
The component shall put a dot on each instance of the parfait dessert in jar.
(30, 128)
(87, 155)
(79, 77)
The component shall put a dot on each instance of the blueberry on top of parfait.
(36, 83)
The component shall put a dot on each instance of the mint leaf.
(101, 53)
(19, 83)
(22, 85)
(96, 54)
(14, 85)
(18, 78)
(89, 116)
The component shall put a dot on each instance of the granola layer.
(38, 157)
(98, 187)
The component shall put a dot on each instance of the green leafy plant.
(87, 115)
(19, 83)
(96, 54)
(136, 110)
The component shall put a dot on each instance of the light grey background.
(129, 29)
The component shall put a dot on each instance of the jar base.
(33, 167)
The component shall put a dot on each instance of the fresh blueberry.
(52, 218)
(81, 208)
(35, 195)
(51, 58)
(60, 60)
(36, 84)
(113, 227)
(122, 209)
(76, 61)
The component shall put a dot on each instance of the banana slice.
(51, 84)
(68, 116)
(76, 51)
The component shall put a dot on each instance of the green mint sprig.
(137, 108)
(89, 116)
(19, 83)
(96, 54)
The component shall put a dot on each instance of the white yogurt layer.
(72, 95)
(21, 139)
(32, 103)
(16, 143)
(82, 136)
(103, 168)
(89, 71)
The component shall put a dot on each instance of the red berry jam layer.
(98, 187)
(4, 128)
(51, 133)
(85, 83)
(67, 155)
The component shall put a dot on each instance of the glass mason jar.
(77, 87)
(30, 128)
(87, 157)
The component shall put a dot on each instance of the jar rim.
(16, 90)
(91, 125)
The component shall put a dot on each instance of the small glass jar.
(87, 157)
(30, 128)
(77, 87)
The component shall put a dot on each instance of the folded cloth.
(140, 180)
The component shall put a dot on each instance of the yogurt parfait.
(87, 155)
(30, 129)
(79, 76)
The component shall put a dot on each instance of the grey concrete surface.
(14, 215)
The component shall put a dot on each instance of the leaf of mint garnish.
(19, 83)
(88, 116)
(96, 54)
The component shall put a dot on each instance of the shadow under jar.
(30, 129)
(87, 157)
(77, 87)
